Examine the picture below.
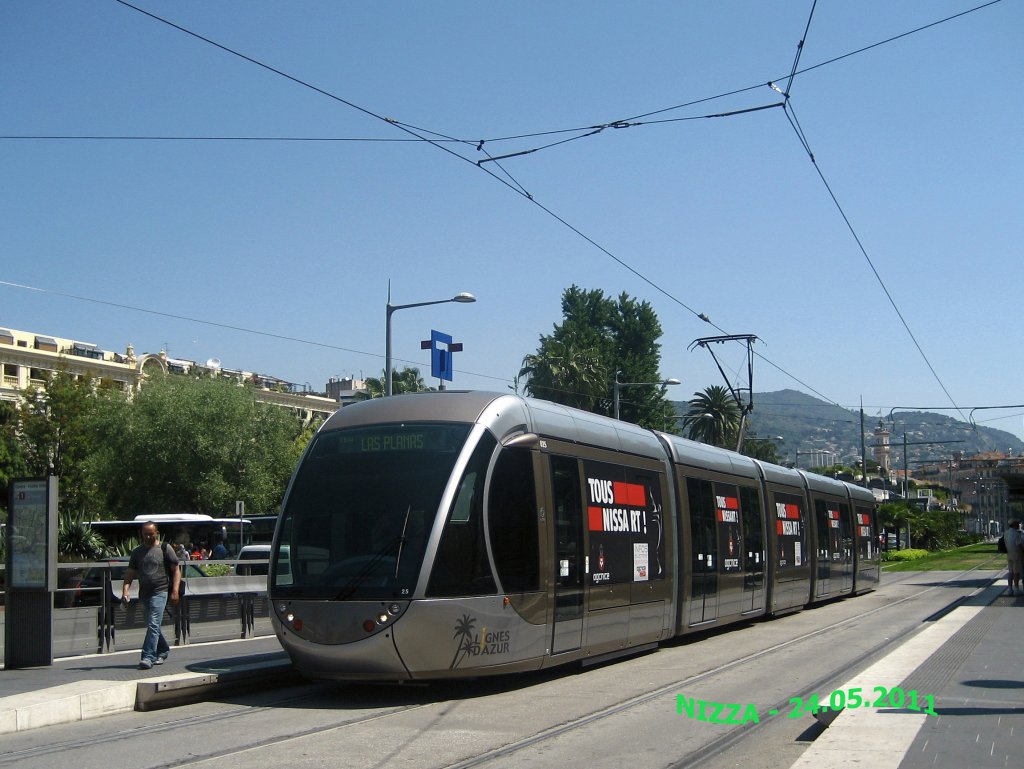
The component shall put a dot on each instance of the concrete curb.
(76, 701)
(91, 698)
(181, 689)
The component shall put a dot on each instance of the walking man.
(156, 566)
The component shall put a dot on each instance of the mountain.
(813, 427)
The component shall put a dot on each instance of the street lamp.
(618, 385)
(463, 298)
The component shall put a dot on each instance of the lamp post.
(618, 385)
(463, 298)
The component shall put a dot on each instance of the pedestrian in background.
(1014, 540)
(156, 566)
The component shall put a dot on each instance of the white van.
(261, 553)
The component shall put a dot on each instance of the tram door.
(753, 550)
(846, 542)
(703, 552)
(568, 554)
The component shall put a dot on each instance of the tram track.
(693, 759)
(730, 738)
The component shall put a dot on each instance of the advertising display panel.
(624, 519)
(32, 534)
(790, 530)
(730, 537)
(865, 534)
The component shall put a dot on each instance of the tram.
(451, 534)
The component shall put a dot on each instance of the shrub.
(910, 554)
(215, 569)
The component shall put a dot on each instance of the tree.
(577, 363)
(12, 459)
(713, 417)
(566, 371)
(928, 529)
(56, 436)
(408, 380)
(761, 448)
(193, 445)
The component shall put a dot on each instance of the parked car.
(259, 553)
(253, 553)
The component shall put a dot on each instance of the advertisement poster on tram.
(865, 538)
(834, 535)
(624, 520)
(727, 517)
(789, 530)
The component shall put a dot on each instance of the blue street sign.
(441, 348)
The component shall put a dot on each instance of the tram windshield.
(357, 519)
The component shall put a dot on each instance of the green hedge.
(910, 554)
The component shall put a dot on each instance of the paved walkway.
(79, 688)
(971, 662)
(966, 667)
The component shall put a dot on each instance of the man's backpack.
(1001, 544)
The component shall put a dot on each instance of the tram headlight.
(394, 608)
(382, 617)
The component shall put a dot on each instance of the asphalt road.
(622, 714)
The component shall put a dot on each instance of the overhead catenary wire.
(518, 188)
(444, 138)
(871, 264)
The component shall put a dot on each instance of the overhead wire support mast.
(745, 408)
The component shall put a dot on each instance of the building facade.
(29, 359)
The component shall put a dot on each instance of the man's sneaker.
(161, 659)
(145, 665)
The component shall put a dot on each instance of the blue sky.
(919, 139)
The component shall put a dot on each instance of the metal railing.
(89, 617)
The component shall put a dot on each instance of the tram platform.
(970, 658)
(90, 686)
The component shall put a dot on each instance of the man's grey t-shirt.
(149, 563)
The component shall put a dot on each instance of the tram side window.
(865, 532)
(512, 519)
(825, 537)
(753, 532)
(703, 546)
(791, 538)
(461, 566)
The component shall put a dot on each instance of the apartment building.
(28, 358)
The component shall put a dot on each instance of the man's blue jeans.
(155, 644)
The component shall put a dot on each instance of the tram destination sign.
(398, 438)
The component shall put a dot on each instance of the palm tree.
(566, 372)
(713, 417)
(408, 380)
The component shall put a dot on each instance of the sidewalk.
(972, 661)
(79, 688)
